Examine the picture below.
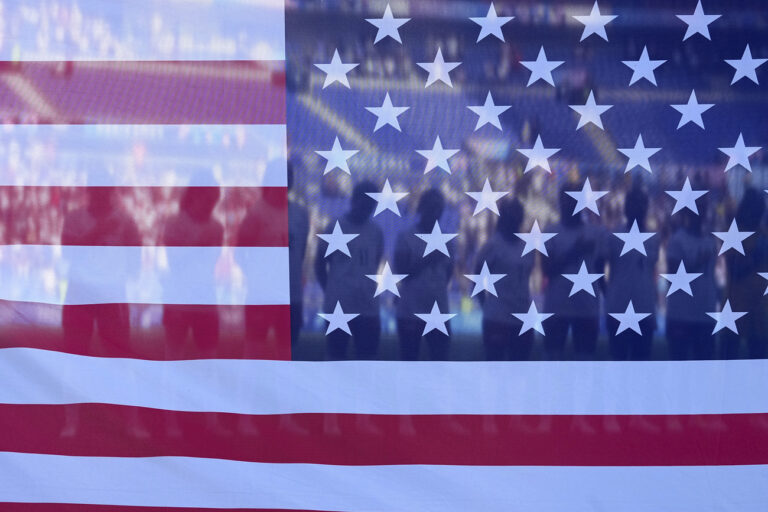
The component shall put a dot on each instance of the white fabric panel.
(32, 376)
(171, 155)
(193, 482)
(80, 274)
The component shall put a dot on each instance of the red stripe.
(246, 216)
(74, 507)
(185, 332)
(152, 92)
(348, 439)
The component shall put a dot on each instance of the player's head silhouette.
(199, 202)
(511, 215)
(751, 210)
(362, 205)
(101, 200)
(430, 209)
(636, 205)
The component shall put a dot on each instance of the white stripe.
(171, 155)
(145, 30)
(279, 387)
(54, 274)
(192, 482)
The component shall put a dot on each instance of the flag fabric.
(360, 256)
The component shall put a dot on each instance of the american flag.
(359, 255)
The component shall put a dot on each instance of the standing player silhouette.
(427, 282)
(194, 225)
(503, 255)
(689, 329)
(576, 242)
(632, 278)
(343, 278)
(745, 287)
(104, 222)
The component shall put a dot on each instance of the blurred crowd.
(95, 30)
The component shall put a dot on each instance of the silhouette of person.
(688, 328)
(102, 222)
(745, 287)
(343, 278)
(194, 225)
(576, 242)
(503, 255)
(266, 220)
(427, 282)
(632, 278)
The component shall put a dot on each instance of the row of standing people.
(632, 276)
(103, 220)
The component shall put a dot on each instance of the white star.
(643, 68)
(484, 281)
(587, 198)
(746, 66)
(634, 240)
(681, 280)
(698, 22)
(386, 114)
(491, 24)
(532, 319)
(338, 319)
(336, 71)
(590, 112)
(733, 238)
(486, 199)
(387, 199)
(437, 156)
(739, 154)
(535, 240)
(435, 320)
(386, 281)
(387, 25)
(337, 240)
(582, 281)
(337, 157)
(594, 23)
(436, 240)
(726, 319)
(691, 111)
(541, 68)
(686, 198)
(764, 275)
(488, 113)
(439, 69)
(537, 156)
(629, 319)
(639, 155)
